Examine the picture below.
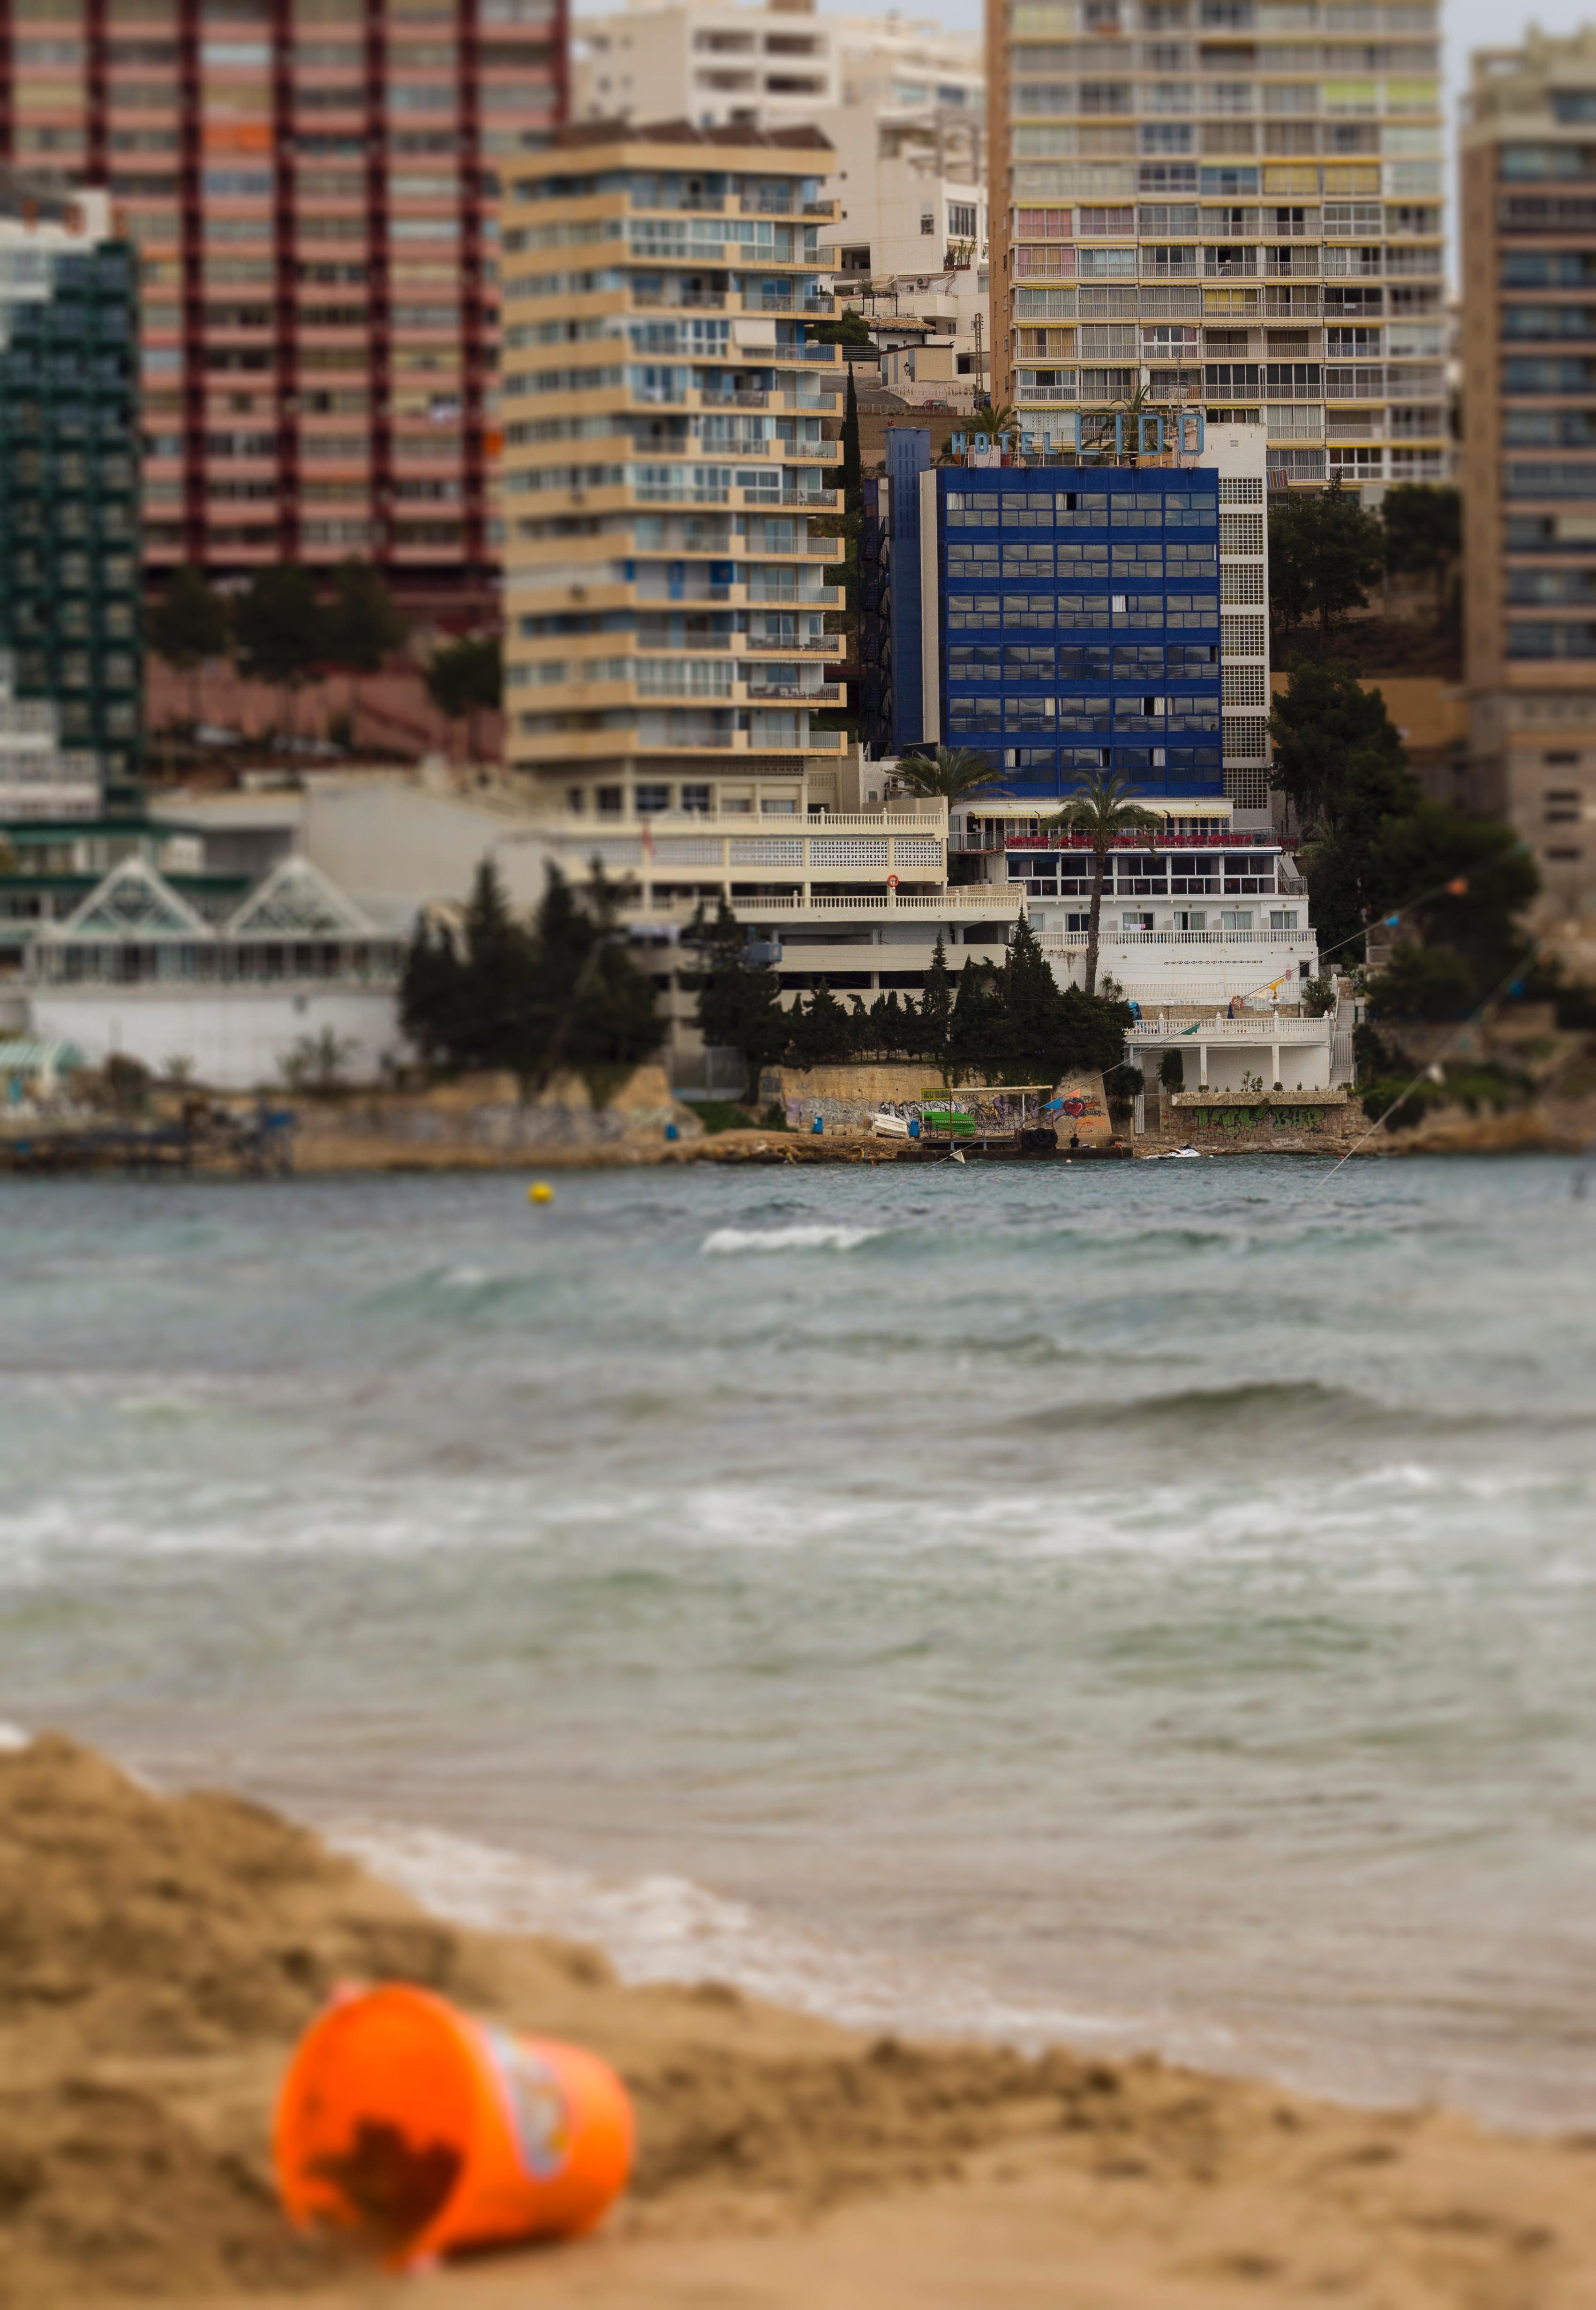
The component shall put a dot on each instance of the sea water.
(1143, 1605)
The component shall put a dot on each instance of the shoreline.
(168, 1950)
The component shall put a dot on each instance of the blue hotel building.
(1064, 618)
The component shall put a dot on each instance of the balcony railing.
(1252, 1027)
(791, 693)
(1071, 941)
(953, 900)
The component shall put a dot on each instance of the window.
(1191, 918)
(695, 799)
(1282, 919)
(1236, 918)
(651, 801)
(928, 224)
(1135, 922)
(961, 220)
(611, 802)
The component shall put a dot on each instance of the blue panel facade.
(1080, 625)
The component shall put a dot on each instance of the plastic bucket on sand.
(405, 2125)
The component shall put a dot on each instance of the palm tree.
(993, 421)
(1101, 808)
(1134, 409)
(952, 774)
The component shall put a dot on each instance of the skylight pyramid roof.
(296, 900)
(136, 902)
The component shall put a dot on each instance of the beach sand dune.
(158, 1955)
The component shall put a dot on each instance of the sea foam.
(724, 1241)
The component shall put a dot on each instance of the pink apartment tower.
(312, 185)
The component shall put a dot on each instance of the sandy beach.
(161, 1955)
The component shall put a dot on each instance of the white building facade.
(714, 63)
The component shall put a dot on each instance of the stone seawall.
(481, 1122)
(1277, 1123)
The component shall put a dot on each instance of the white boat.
(889, 1126)
(1179, 1155)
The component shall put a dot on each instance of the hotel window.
(1282, 919)
(1236, 918)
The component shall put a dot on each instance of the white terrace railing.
(994, 904)
(1252, 1027)
(1057, 942)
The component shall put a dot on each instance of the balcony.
(698, 301)
(759, 300)
(951, 904)
(696, 204)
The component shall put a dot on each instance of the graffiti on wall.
(1259, 1118)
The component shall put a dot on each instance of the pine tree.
(976, 1032)
(1031, 1010)
(738, 1002)
(364, 628)
(823, 1035)
(429, 992)
(280, 629)
(188, 625)
(936, 1010)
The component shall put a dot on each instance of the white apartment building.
(913, 236)
(1239, 197)
(903, 102)
(715, 63)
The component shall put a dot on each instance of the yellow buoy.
(540, 1191)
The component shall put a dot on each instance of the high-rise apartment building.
(903, 102)
(1529, 454)
(669, 423)
(71, 661)
(311, 186)
(1236, 202)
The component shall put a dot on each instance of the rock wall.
(1278, 1122)
(480, 1121)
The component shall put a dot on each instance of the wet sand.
(159, 1954)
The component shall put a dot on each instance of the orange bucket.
(407, 2125)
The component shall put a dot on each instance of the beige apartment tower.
(1236, 204)
(1529, 452)
(669, 425)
